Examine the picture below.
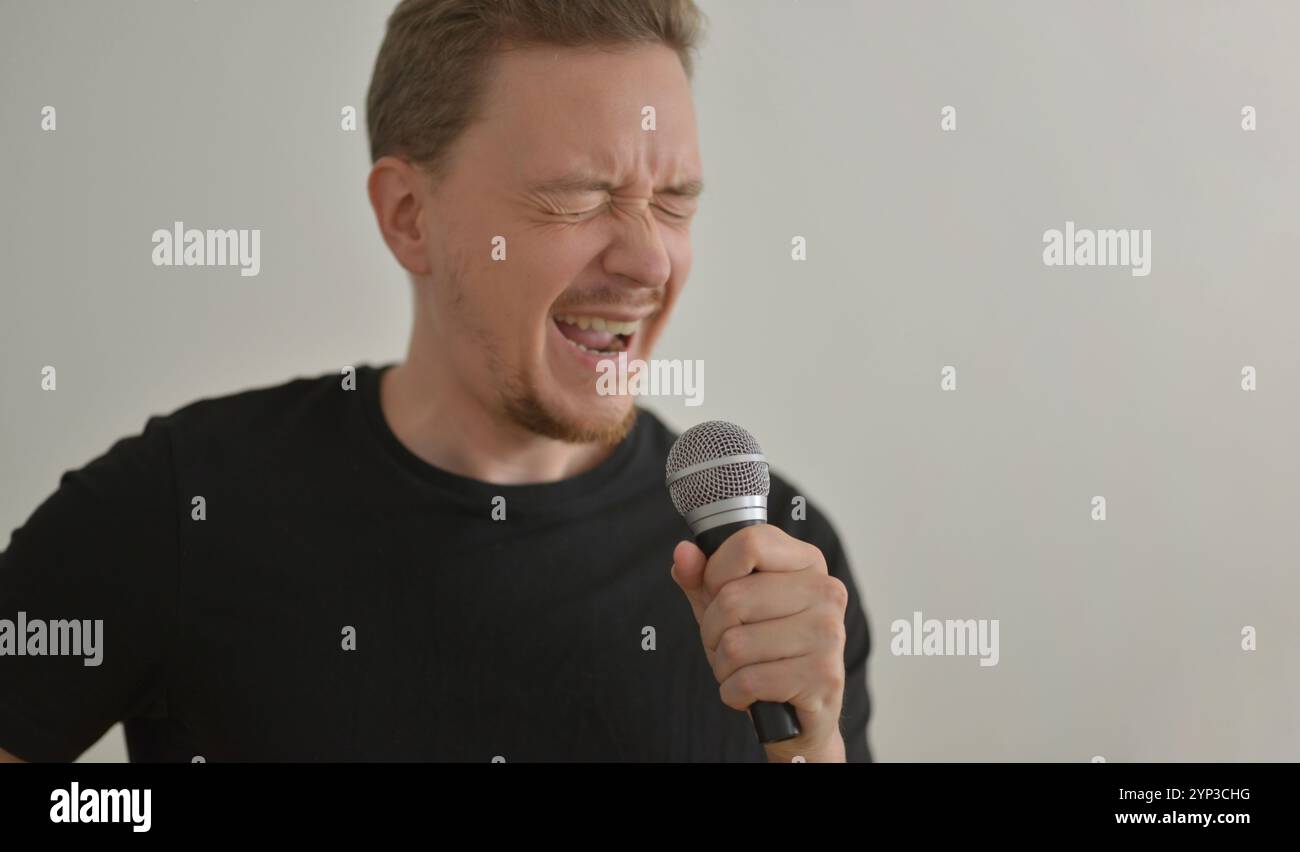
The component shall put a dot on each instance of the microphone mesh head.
(706, 442)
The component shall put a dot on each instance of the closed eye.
(596, 209)
(672, 213)
(600, 207)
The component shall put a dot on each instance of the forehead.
(551, 110)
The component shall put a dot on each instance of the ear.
(397, 195)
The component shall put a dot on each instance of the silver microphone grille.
(703, 468)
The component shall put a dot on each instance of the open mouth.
(597, 335)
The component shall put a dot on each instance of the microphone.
(718, 480)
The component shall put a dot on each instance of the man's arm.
(6, 757)
(94, 566)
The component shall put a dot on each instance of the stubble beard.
(521, 403)
(524, 406)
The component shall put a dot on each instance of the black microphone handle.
(772, 722)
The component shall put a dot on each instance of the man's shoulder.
(247, 426)
(266, 405)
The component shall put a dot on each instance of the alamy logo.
(950, 638)
(59, 638)
(1084, 247)
(656, 377)
(89, 805)
(192, 247)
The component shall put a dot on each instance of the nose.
(637, 251)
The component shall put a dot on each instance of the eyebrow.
(586, 183)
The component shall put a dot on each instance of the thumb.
(688, 573)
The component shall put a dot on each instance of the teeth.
(600, 324)
(595, 351)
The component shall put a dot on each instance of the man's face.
(585, 265)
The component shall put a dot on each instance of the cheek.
(677, 244)
(517, 293)
(544, 268)
(681, 257)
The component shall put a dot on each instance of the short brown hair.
(433, 63)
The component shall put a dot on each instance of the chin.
(602, 419)
(574, 414)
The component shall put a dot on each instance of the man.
(464, 556)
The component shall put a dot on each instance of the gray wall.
(1118, 638)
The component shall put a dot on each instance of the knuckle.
(730, 697)
(836, 592)
(832, 628)
(748, 682)
(830, 670)
(732, 647)
(730, 600)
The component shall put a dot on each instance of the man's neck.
(444, 426)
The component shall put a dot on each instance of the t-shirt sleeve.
(856, 711)
(91, 575)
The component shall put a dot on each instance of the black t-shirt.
(342, 599)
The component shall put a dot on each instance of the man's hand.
(772, 621)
